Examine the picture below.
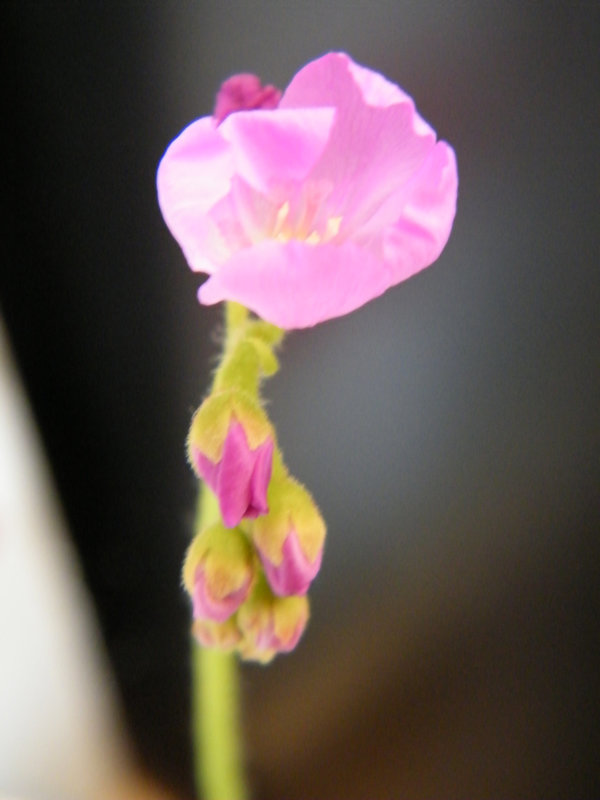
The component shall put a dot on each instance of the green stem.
(218, 760)
(219, 771)
(218, 752)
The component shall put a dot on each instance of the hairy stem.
(218, 752)
(248, 356)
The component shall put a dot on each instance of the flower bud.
(270, 624)
(242, 93)
(230, 446)
(221, 635)
(218, 572)
(289, 539)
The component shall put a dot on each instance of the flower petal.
(241, 478)
(378, 140)
(296, 285)
(195, 173)
(276, 147)
(242, 491)
(420, 234)
(375, 89)
(378, 91)
(259, 481)
(321, 80)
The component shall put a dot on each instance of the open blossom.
(306, 211)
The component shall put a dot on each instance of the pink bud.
(290, 538)
(240, 478)
(243, 92)
(270, 624)
(209, 603)
(269, 638)
(222, 635)
(218, 572)
(295, 572)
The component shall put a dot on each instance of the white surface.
(59, 735)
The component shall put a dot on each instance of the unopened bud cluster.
(248, 572)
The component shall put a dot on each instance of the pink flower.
(306, 211)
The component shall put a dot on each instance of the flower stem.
(248, 355)
(219, 771)
(218, 756)
(218, 752)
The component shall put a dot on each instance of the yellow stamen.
(283, 231)
(280, 220)
(333, 227)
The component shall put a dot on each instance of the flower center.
(304, 225)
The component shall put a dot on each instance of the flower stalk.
(219, 765)
(219, 552)
(216, 718)
(301, 206)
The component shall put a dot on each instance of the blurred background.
(449, 430)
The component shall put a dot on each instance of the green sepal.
(227, 557)
(211, 422)
(291, 507)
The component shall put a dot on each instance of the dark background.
(449, 430)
